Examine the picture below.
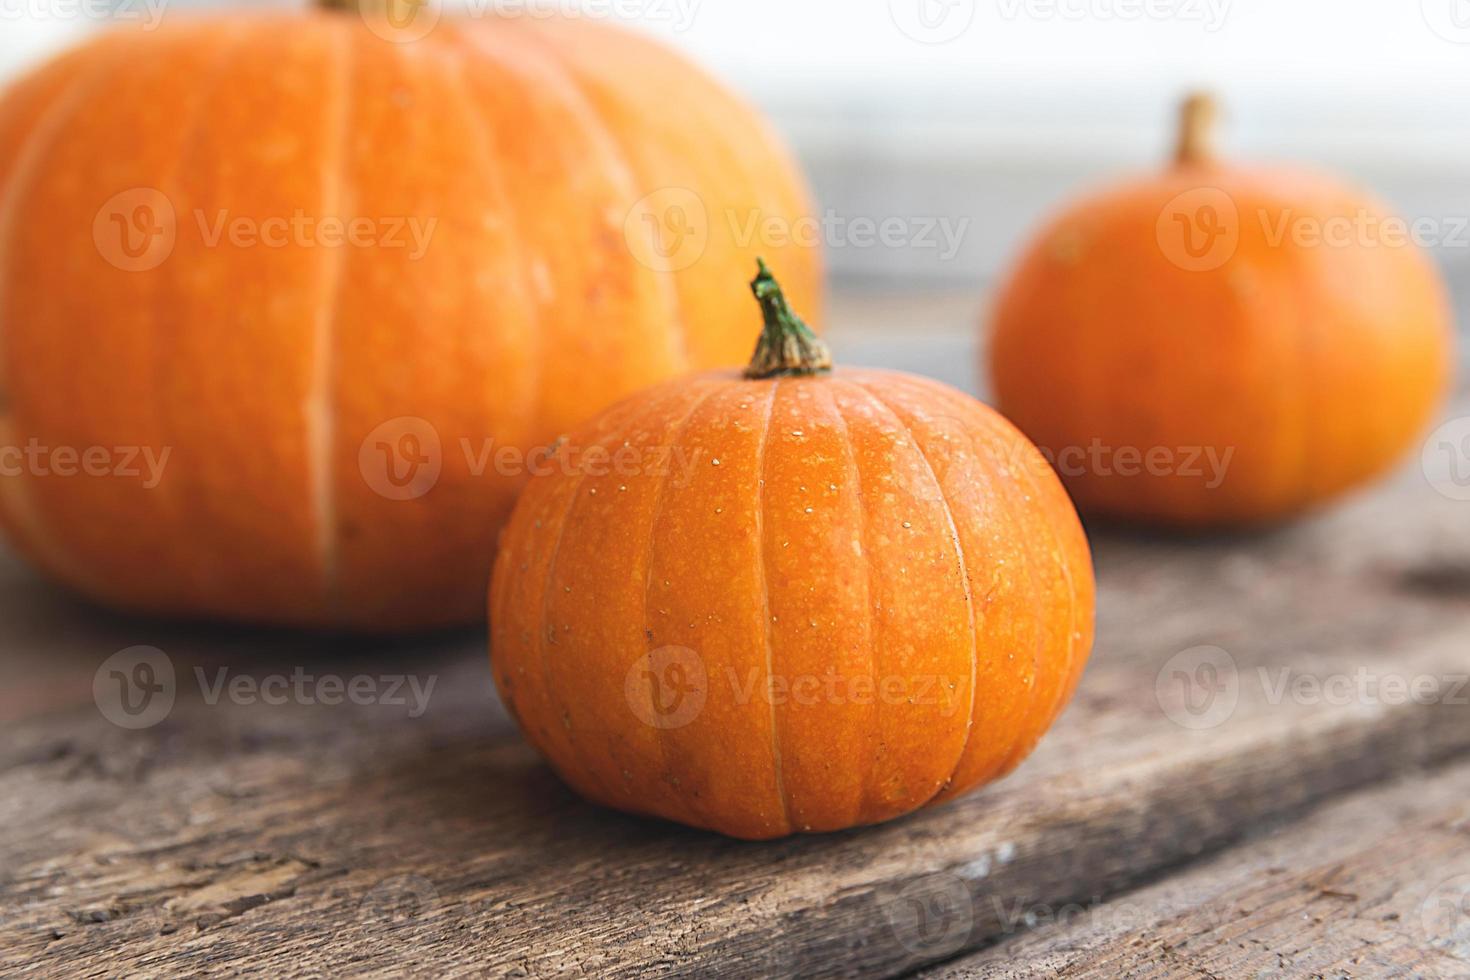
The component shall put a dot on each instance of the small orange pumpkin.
(1217, 345)
(322, 269)
(797, 600)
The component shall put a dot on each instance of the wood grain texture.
(304, 839)
(1375, 885)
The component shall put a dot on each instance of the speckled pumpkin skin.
(817, 538)
(1307, 369)
(538, 148)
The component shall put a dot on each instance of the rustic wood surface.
(1373, 885)
(1201, 781)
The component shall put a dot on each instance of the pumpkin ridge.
(1008, 437)
(855, 478)
(766, 631)
(537, 318)
(627, 174)
(959, 549)
(674, 436)
(20, 511)
(557, 704)
(966, 409)
(320, 410)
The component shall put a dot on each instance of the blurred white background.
(991, 112)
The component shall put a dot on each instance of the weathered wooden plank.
(1374, 885)
(308, 839)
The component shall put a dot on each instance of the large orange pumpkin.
(791, 601)
(1219, 345)
(306, 289)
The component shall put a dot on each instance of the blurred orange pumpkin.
(1219, 345)
(314, 272)
(793, 601)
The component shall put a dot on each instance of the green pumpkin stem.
(787, 347)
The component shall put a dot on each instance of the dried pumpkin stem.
(337, 4)
(787, 347)
(1197, 129)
